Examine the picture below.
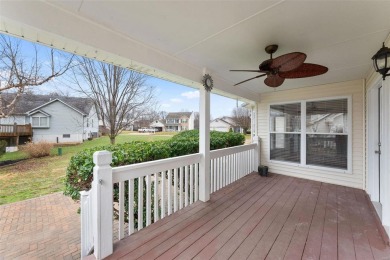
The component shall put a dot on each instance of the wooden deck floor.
(278, 217)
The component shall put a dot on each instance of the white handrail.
(123, 173)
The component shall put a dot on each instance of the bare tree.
(162, 115)
(149, 115)
(18, 73)
(241, 117)
(120, 94)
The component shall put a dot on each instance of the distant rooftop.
(27, 102)
(178, 114)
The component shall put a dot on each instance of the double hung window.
(40, 121)
(285, 132)
(322, 142)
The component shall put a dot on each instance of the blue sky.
(171, 97)
(175, 98)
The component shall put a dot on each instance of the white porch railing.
(231, 164)
(163, 187)
(170, 184)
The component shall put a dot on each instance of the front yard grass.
(35, 177)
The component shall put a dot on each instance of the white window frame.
(273, 132)
(303, 135)
(40, 126)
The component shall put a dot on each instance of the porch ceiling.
(172, 38)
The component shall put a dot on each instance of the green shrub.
(79, 173)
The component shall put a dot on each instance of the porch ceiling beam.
(58, 28)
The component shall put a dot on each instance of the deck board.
(278, 217)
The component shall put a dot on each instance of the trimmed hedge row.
(79, 172)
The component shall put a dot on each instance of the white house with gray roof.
(56, 119)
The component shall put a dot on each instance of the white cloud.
(191, 94)
(165, 105)
(176, 100)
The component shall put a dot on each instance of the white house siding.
(355, 89)
(218, 125)
(63, 120)
(93, 123)
(191, 121)
(20, 120)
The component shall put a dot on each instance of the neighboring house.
(224, 124)
(179, 121)
(159, 125)
(56, 119)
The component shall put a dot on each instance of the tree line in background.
(121, 95)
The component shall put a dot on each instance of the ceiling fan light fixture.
(290, 65)
(381, 61)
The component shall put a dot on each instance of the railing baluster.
(246, 162)
(131, 206)
(196, 182)
(148, 200)
(241, 166)
(223, 168)
(186, 186)
(211, 176)
(155, 206)
(217, 174)
(181, 187)
(169, 204)
(222, 171)
(121, 201)
(140, 203)
(175, 190)
(191, 184)
(228, 170)
(235, 167)
(163, 194)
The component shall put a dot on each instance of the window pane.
(43, 121)
(286, 147)
(327, 150)
(328, 116)
(35, 121)
(285, 118)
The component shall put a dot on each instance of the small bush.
(36, 150)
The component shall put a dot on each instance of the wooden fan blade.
(305, 70)
(273, 81)
(262, 75)
(287, 62)
(247, 70)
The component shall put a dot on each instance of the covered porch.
(278, 217)
(328, 134)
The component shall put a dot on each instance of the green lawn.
(35, 177)
(125, 137)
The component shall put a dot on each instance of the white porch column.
(256, 155)
(204, 145)
(102, 204)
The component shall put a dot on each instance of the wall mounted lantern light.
(381, 61)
